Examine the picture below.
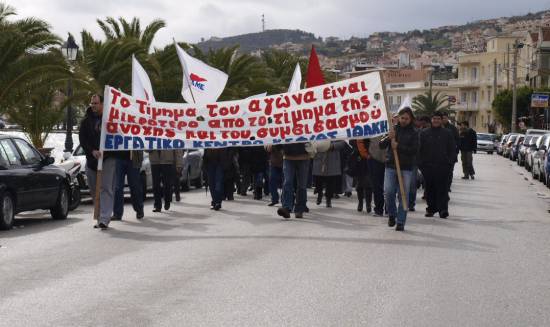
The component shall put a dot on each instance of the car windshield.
(527, 139)
(485, 137)
(512, 138)
(534, 139)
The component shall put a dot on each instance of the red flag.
(314, 73)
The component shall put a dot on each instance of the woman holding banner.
(164, 165)
(327, 171)
(358, 168)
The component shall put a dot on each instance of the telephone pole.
(495, 89)
(263, 23)
(495, 83)
(514, 87)
(507, 65)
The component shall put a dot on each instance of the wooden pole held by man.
(404, 199)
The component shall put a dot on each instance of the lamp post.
(70, 51)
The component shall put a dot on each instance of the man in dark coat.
(437, 154)
(218, 163)
(448, 125)
(404, 139)
(89, 137)
(468, 146)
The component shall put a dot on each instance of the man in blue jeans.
(275, 173)
(404, 139)
(295, 171)
(128, 166)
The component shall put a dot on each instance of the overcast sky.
(188, 21)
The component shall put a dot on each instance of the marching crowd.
(426, 147)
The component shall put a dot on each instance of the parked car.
(192, 169)
(29, 181)
(2, 124)
(486, 142)
(508, 147)
(547, 168)
(502, 144)
(515, 147)
(533, 146)
(145, 172)
(523, 150)
(539, 155)
(536, 132)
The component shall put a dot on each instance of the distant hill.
(438, 39)
(262, 40)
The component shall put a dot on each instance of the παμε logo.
(198, 81)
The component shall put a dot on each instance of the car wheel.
(186, 185)
(76, 197)
(7, 211)
(61, 209)
(490, 152)
(198, 181)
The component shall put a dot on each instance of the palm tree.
(281, 65)
(167, 83)
(109, 62)
(122, 28)
(23, 53)
(426, 104)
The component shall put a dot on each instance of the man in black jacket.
(218, 163)
(90, 137)
(468, 145)
(437, 155)
(448, 125)
(405, 140)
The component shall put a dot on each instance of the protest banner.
(353, 108)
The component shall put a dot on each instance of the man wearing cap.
(436, 156)
(404, 139)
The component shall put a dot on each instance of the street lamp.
(70, 51)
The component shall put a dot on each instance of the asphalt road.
(487, 265)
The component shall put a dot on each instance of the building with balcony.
(477, 82)
(409, 83)
(534, 59)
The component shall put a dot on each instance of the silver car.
(529, 154)
(486, 142)
(523, 150)
(539, 155)
(502, 144)
(192, 169)
(508, 145)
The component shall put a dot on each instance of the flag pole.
(185, 75)
(99, 172)
(404, 201)
(98, 179)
